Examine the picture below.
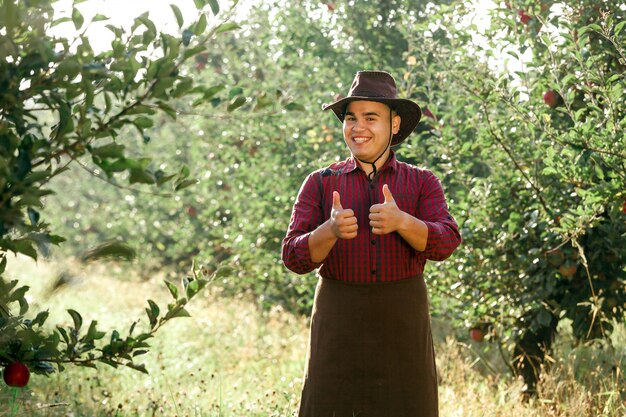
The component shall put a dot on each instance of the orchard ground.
(231, 359)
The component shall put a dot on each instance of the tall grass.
(231, 359)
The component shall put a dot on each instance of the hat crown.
(375, 84)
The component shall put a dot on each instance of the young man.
(369, 224)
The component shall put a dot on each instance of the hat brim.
(410, 113)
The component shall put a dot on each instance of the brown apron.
(370, 351)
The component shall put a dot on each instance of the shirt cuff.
(302, 255)
(441, 241)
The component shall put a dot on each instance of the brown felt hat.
(381, 87)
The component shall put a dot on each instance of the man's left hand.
(386, 217)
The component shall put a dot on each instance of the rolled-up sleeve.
(443, 232)
(306, 216)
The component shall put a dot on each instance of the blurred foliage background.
(524, 124)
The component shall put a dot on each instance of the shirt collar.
(391, 163)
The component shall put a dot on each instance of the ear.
(395, 124)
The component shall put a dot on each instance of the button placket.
(373, 237)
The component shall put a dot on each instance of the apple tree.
(62, 105)
(527, 128)
(276, 71)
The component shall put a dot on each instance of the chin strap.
(372, 175)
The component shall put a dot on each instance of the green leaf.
(33, 216)
(110, 249)
(222, 271)
(76, 317)
(154, 308)
(167, 109)
(18, 293)
(57, 22)
(141, 176)
(40, 319)
(177, 312)
(148, 23)
(23, 306)
(187, 35)
(69, 68)
(172, 288)
(184, 172)
(619, 27)
(192, 289)
(77, 18)
(99, 18)
(235, 104)
(111, 150)
(234, 92)
(24, 246)
(56, 239)
(215, 6)
(182, 87)
(141, 367)
(200, 25)
(211, 91)
(225, 27)
(184, 184)
(294, 107)
(614, 77)
(143, 122)
(93, 333)
(63, 334)
(178, 14)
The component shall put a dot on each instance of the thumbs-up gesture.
(386, 217)
(343, 221)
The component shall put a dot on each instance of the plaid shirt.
(370, 257)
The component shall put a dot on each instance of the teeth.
(360, 140)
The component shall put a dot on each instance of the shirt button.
(373, 272)
(373, 242)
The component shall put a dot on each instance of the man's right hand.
(342, 221)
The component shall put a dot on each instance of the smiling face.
(366, 130)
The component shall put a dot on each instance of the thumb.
(387, 194)
(337, 201)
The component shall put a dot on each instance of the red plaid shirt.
(370, 257)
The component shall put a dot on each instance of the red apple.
(16, 375)
(551, 98)
(523, 17)
(567, 269)
(192, 211)
(476, 334)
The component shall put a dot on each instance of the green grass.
(231, 359)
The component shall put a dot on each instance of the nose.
(356, 126)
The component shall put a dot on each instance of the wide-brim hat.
(381, 87)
